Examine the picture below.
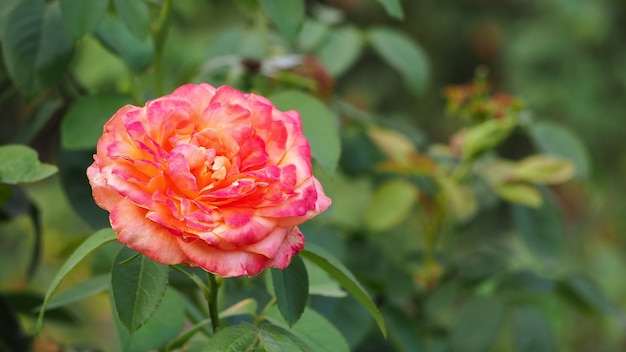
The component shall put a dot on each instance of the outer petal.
(104, 196)
(226, 263)
(292, 245)
(145, 236)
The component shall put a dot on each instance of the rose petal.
(226, 263)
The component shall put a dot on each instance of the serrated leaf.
(137, 288)
(275, 339)
(318, 125)
(540, 228)
(402, 54)
(166, 323)
(113, 34)
(344, 277)
(36, 46)
(82, 17)
(291, 289)
(20, 164)
(136, 16)
(81, 291)
(391, 203)
(92, 243)
(532, 332)
(314, 330)
(242, 337)
(83, 123)
(393, 8)
(556, 140)
(340, 50)
(478, 324)
(287, 14)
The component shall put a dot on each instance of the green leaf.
(291, 288)
(585, 293)
(540, 229)
(391, 203)
(83, 123)
(113, 34)
(247, 306)
(520, 193)
(166, 323)
(393, 8)
(402, 54)
(485, 136)
(242, 337)
(36, 121)
(344, 277)
(276, 339)
(311, 34)
(532, 332)
(92, 243)
(557, 140)
(36, 46)
(321, 284)
(313, 330)
(287, 14)
(543, 169)
(402, 330)
(137, 287)
(136, 16)
(81, 291)
(340, 50)
(318, 125)
(478, 324)
(20, 164)
(82, 17)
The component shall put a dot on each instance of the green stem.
(214, 287)
(159, 35)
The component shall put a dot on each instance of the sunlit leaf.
(20, 164)
(390, 204)
(402, 54)
(92, 243)
(287, 14)
(291, 288)
(137, 288)
(344, 277)
(318, 125)
(82, 17)
(520, 193)
(83, 123)
(557, 140)
(246, 307)
(543, 169)
(485, 136)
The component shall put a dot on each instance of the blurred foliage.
(478, 220)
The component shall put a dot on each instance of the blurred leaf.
(478, 324)
(339, 272)
(520, 193)
(391, 203)
(311, 34)
(90, 244)
(403, 330)
(82, 17)
(291, 288)
(556, 140)
(532, 332)
(36, 121)
(543, 169)
(585, 294)
(321, 284)
(287, 14)
(350, 198)
(20, 164)
(540, 229)
(6, 192)
(166, 323)
(402, 54)
(340, 49)
(35, 218)
(72, 168)
(81, 291)
(12, 337)
(313, 329)
(83, 123)
(396, 146)
(393, 8)
(137, 288)
(318, 126)
(113, 34)
(136, 17)
(247, 306)
(242, 337)
(347, 315)
(459, 199)
(485, 136)
(36, 46)
(525, 282)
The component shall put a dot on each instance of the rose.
(210, 177)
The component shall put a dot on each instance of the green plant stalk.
(214, 287)
(159, 33)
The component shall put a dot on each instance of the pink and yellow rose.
(210, 177)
